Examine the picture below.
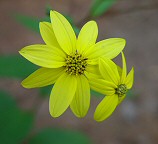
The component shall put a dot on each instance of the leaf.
(48, 9)
(76, 29)
(32, 23)
(28, 21)
(99, 7)
(15, 66)
(131, 94)
(15, 124)
(59, 136)
(45, 91)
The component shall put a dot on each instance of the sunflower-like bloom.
(115, 85)
(66, 61)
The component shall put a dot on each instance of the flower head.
(66, 61)
(115, 85)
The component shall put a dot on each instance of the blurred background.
(24, 114)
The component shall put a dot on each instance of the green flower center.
(76, 64)
(121, 90)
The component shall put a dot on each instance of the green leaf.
(59, 136)
(15, 125)
(15, 66)
(131, 94)
(99, 7)
(30, 22)
(45, 91)
(48, 9)
(76, 29)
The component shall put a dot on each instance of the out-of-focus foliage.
(15, 124)
(45, 91)
(32, 23)
(99, 7)
(14, 66)
(59, 136)
(131, 94)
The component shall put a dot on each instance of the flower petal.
(62, 94)
(106, 108)
(42, 77)
(109, 48)
(129, 79)
(124, 69)
(88, 74)
(44, 56)
(81, 101)
(102, 86)
(47, 34)
(87, 36)
(119, 70)
(64, 32)
(94, 70)
(109, 71)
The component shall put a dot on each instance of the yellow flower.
(115, 84)
(66, 60)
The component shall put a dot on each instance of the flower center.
(121, 90)
(75, 64)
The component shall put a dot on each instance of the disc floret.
(75, 64)
(121, 89)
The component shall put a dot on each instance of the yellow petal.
(42, 77)
(94, 70)
(102, 86)
(47, 34)
(109, 71)
(124, 69)
(88, 74)
(119, 70)
(62, 94)
(130, 78)
(64, 32)
(106, 108)
(92, 61)
(81, 101)
(109, 48)
(44, 56)
(87, 36)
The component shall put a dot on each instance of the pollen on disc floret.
(121, 90)
(75, 64)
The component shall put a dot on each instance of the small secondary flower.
(66, 61)
(115, 85)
